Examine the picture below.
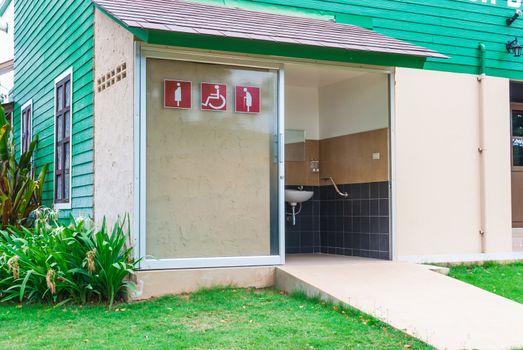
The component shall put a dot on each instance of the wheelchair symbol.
(215, 100)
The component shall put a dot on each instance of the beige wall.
(437, 164)
(113, 121)
(208, 173)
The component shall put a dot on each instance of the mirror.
(294, 145)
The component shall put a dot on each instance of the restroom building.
(239, 133)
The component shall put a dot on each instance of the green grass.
(503, 279)
(216, 319)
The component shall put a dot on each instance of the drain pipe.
(481, 147)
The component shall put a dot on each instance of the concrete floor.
(440, 310)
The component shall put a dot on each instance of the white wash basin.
(294, 197)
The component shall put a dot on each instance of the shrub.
(20, 191)
(58, 263)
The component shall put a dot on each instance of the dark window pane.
(59, 128)
(59, 186)
(59, 98)
(67, 93)
(66, 186)
(67, 154)
(59, 158)
(517, 152)
(67, 120)
(517, 123)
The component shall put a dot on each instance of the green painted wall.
(452, 27)
(50, 37)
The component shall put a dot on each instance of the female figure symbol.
(247, 99)
(178, 94)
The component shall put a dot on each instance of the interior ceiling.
(316, 76)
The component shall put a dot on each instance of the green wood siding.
(50, 37)
(452, 27)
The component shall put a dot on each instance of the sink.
(294, 197)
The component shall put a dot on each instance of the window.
(62, 164)
(26, 125)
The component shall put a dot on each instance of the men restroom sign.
(213, 97)
(177, 94)
(247, 99)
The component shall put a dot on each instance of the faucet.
(343, 194)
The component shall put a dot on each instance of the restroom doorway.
(337, 146)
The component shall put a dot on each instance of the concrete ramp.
(437, 309)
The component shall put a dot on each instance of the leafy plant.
(20, 191)
(59, 263)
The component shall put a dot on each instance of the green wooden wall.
(50, 37)
(452, 27)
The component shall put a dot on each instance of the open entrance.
(337, 148)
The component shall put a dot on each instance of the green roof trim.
(268, 48)
(4, 4)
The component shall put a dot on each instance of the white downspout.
(481, 148)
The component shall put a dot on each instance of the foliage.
(58, 263)
(503, 279)
(209, 319)
(20, 191)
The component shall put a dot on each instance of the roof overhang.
(6, 67)
(195, 25)
(4, 4)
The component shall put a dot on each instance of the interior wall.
(113, 122)
(350, 118)
(349, 159)
(437, 163)
(302, 110)
(353, 106)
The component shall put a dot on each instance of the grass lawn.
(503, 279)
(216, 319)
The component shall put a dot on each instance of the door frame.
(514, 106)
(142, 52)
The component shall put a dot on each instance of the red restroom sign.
(213, 97)
(247, 99)
(177, 94)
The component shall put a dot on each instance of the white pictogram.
(247, 99)
(215, 97)
(178, 94)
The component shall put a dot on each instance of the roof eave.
(4, 4)
(271, 48)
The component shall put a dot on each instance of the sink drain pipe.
(481, 147)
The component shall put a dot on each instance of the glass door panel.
(211, 161)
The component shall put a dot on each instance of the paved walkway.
(440, 310)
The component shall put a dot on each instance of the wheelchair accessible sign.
(213, 96)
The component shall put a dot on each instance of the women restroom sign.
(213, 96)
(177, 94)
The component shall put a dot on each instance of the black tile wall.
(354, 226)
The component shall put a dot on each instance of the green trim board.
(50, 37)
(282, 50)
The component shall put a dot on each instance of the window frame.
(65, 204)
(25, 106)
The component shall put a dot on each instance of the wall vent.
(110, 78)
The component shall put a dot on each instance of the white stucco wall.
(113, 122)
(437, 164)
